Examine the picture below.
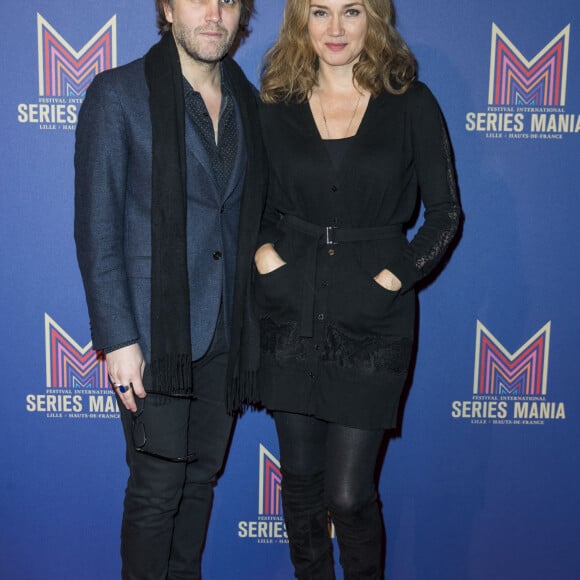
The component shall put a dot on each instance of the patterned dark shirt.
(223, 154)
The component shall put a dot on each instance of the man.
(169, 193)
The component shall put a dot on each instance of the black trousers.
(167, 504)
(330, 468)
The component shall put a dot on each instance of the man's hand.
(267, 259)
(388, 280)
(126, 366)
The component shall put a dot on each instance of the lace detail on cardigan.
(367, 354)
(282, 341)
(364, 354)
(453, 214)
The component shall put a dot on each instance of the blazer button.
(217, 255)
(334, 189)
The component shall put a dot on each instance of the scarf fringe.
(242, 393)
(172, 375)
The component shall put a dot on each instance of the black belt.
(329, 235)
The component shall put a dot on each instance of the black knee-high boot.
(306, 520)
(360, 538)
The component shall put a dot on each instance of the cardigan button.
(217, 255)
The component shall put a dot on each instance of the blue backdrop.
(482, 480)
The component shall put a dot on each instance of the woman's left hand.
(267, 259)
(388, 280)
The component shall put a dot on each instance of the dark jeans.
(167, 504)
(330, 468)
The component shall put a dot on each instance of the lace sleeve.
(447, 214)
(435, 173)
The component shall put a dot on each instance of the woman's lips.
(335, 47)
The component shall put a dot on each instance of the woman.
(351, 138)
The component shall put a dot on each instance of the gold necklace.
(349, 123)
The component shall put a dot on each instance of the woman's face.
(337, 29)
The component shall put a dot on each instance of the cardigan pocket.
(385, 292)
(378, 300)
(276, 292)
(359, 304)
(371, 258)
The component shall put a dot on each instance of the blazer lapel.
(195, 147)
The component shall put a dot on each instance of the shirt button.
(320, 317)
(217, 255)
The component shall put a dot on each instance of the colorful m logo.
(64, 72)
(270, 500)
(515, 80)
(498, 372)
(69, 365)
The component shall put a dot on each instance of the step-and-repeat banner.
(482, 480)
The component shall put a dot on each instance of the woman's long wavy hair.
(290, 67)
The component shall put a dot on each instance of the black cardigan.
(401, 148)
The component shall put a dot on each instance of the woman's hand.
(267, 259)
(388, 280)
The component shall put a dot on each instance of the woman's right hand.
(267, 259)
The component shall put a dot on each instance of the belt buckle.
(330, 239)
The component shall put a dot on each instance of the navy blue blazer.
(113, 214)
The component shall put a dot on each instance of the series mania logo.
(510, 388)
(527, 98)
(269, 528)
(77, 384)
(64, 74)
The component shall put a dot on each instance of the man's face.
(204, 29)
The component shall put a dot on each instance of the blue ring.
(123, 388)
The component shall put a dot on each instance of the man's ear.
(168, 9)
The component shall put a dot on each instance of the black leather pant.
(330, 468)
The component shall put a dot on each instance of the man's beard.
(204, 50)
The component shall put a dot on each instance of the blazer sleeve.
(101, 158)
(435, 174)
